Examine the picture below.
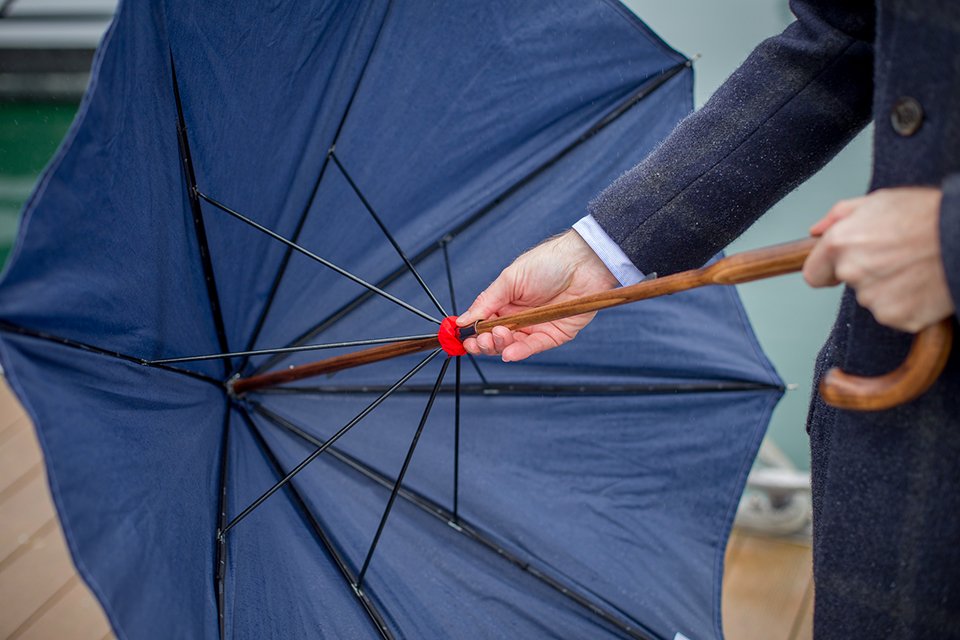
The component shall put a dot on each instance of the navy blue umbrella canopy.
(248, 177)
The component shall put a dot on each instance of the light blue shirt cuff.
(608, 251)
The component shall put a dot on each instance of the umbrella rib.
(453, 304)
(186, 161)
(83, 346)
(374, 615)
(261, 320)
(524, 389)
(296, 247)
(306, 347)
(632, 629)
(647, 87)
(456, 447)
(403, 472)
(457, 386)
(387, 234)
(220, 560)
(313, 456)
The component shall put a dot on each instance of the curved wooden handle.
(926, 360)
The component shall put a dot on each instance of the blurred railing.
(46, 46)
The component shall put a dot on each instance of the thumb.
(493, 298)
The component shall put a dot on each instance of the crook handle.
(926, 360)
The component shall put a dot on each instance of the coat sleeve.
(950, 234)
(789, 108)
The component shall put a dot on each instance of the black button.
(906, 116)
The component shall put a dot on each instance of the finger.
(526, 345)
(837, 212)
(498, 294)
(487, 346)
(502, 338)
(470, 344)
(818, 268)
(905, 302)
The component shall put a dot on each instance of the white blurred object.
(37, 8)
(777, 498)
(46, 46)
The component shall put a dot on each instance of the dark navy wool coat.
(886, 485)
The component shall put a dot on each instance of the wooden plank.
(41, 594)
(76, 615)
(733, 550)
(13, 429)
(764, 588)
(17, 422)
(803, 625)
(17, 456)
(32, 578)
(23, 513)
(10, 409)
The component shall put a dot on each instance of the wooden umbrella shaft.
(736, 269)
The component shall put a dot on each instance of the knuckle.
(912, 325)
(849, 272)
(831, 244)
(888, 316)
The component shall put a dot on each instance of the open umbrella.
(243, 178)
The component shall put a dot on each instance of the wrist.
(580, 254)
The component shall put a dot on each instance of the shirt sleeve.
(608, 251)
(792, 105)
(950, 234)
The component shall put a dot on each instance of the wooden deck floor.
(768, 590)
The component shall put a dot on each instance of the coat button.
(906, 116)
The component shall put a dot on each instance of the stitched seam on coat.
(746, 139)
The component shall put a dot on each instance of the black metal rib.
(389, 236)
(376, 618)
(446, 263)
(306, 347)
(320, 449)
(457, 389)
(634, 631)
(293, 245)
(288, 252)
(220, 558)
(198, 225)
(82, 346)
(645, 89)
(522, 389)
(456, 446)
(403, 472)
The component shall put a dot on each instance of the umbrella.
(248, 178)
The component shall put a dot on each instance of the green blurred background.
(791, 320)
(29, 134)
